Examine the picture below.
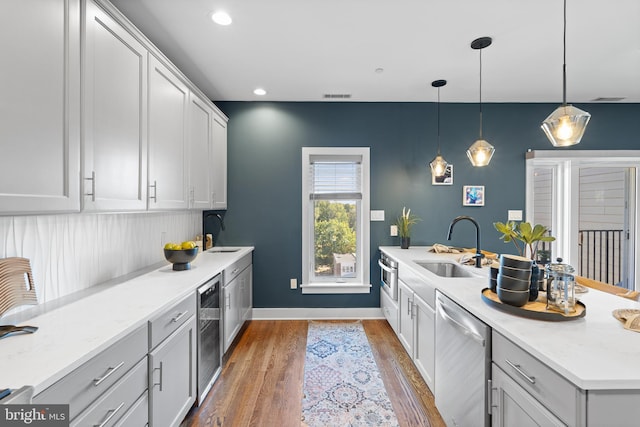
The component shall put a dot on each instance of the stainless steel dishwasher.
(463, 364)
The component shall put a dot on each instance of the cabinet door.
(172, 376)
(200, 151)
(513, 406)
(168, 101)
(115, 122)
(40, 106)
(405, 319)
(231, 317)
(425, 340)
(219, 163)
(246, 290)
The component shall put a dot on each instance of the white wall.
(73, 252)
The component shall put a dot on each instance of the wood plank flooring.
(261, 382)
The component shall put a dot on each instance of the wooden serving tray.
(535, 309)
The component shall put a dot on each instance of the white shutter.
(335, 178)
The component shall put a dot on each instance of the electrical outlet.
(394, 230)
(294, 283)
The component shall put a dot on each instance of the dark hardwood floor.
(261, 382)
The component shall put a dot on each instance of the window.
(588, 200)
(335, 220)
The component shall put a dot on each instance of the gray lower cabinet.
(416, 331)
(514, 406)
(237, 298)
(172, 376)
(113, 404)
(94, 387)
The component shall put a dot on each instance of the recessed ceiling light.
(379, 70)
(221, 18)
(260, 92)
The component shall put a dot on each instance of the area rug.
(342, 384)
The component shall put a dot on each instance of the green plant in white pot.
(404, 223)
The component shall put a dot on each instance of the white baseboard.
(300, 313)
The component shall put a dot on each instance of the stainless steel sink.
(220, 250)
(445, 269)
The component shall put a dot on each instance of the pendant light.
(566, 125)
(438, 164)
(481, 151)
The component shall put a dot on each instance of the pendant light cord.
(438, 121)
(564, 56)
(480, 93)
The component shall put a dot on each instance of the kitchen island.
(594, 353)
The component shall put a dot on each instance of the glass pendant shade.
(438, 166)
(480, 153)
(566, 125)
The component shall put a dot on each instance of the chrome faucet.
(478, 256)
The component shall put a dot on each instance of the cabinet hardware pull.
(155, 191)
(93, 186)
(159, 383)
(447, 317)
(97, 381)
(235, 270)
(112, 413)
(178, 317)
(229, 301)
(519, 370)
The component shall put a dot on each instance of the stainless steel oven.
(209, 337)
(389, 275)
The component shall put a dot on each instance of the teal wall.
(264, 175)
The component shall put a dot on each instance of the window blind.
(336, 179)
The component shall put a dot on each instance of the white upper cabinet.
(115, 109)
(168, 101)
(39, 106)
(200, 152)
(218, 172)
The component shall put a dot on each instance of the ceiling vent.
(337, 96)
(608, 99)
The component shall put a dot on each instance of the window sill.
(336, 288)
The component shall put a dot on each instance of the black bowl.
(515, 261)
(516, 273)
(493, 277)
(515, 298)
(512, 284)
(181, 259)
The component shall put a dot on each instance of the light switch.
(515, 215)
(377, 215)
(394, 230)
(293, 283)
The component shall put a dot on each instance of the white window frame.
(309, 286)
(565, 199)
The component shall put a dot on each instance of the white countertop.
(72, 334)
(594, 352)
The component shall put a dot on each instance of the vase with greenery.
(529, 237)
(404, 223)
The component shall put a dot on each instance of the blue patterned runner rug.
(342, 383)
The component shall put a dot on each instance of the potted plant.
(529, 236)
(404, 223)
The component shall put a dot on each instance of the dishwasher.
(463, 365)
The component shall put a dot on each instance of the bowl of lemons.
(181, 254)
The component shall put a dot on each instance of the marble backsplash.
(73, 252)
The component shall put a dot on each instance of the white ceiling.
(299, 50)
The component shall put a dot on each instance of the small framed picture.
(473, 195)
(446, 179)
